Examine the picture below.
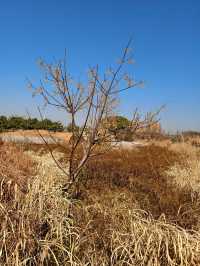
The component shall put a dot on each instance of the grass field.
(135, 207)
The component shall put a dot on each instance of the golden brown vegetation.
(137, 207)
(15, 168)
(35, 227)
(142, 172)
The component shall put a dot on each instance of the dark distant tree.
(47, 124)
(3, 123)
(57, 126)
(118, 123)
(16, 122)
(32, 123)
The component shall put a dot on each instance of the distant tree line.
(191, 133)
(17, 122)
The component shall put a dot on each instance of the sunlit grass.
(136, 208)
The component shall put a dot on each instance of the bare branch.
(96, 101)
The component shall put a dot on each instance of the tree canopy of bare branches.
(95, 101)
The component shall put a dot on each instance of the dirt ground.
(33, 134)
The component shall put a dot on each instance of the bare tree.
(147, 122)
(94, 101)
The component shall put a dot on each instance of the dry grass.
(186, 175)
(143, 173)
(15, 168)
(117, 231)
(136, 208)
(42, 149)
(35, 225)
(117, 234)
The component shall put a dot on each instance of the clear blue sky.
(166, 41)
